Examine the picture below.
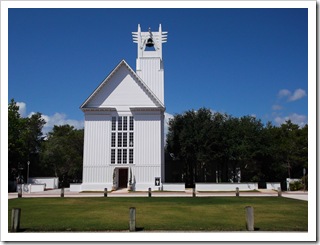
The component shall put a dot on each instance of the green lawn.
(160, 213)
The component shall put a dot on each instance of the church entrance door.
(123, 177)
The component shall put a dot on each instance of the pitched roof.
(155, 99)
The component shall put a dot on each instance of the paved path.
(300, 195)
(68, 193)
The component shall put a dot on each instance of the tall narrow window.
(131, 140)
(119, 139)
(113, 156)
(125, 135)
(131, 123)
(113, 139)
(125, 123)
(119, 155)
(113, 127)
(122, 140)
(120, 123)
(131, 156)
(124, 157)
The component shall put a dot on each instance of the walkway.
(300, 195)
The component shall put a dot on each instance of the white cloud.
(277, 107)
(213, 111)
(22, 108)
(298, 94)
(167, 117)
(60, 119)
(284, 93)
(295, 118)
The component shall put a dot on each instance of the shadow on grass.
(139, 228)
(20, 230)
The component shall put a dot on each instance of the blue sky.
(236, 61)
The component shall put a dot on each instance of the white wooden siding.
(152, 74)
(148, 147)
(96, 147)
(104, 174)
(146, 173)
(162, 148)
(98, 174)
(122, 89)
(147, 139)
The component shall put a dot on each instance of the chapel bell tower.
(149, 64)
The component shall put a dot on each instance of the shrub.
(296, 185)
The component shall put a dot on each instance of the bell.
(150, 43)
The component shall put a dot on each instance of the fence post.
(193, 192)
(249, 218)
(237, 192)
(132, 219)
(279, 192)
(15, 219)
(105, 192)
(62, 192)
(20, 191)
(149, 192)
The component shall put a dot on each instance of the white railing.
(226, 186)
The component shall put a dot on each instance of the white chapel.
(124, 122)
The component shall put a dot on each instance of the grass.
(159, 213)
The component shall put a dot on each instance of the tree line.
(213, 147)
(201, 147)
(57, 154)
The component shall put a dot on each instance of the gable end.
(148, 91)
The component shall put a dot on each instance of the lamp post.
(28, 172)
(20, 175)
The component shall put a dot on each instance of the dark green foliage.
(296, 186)
(61, 155)
(24, 141)
(201, 147)
(213, 147)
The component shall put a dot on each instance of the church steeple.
(148, 39)
(149, 64)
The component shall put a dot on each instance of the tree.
(61, 155)
(241, 144)
(189, 141)
(15, 143)
(24, 140)
(33, 139)
(294, 148)
(221, 148)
